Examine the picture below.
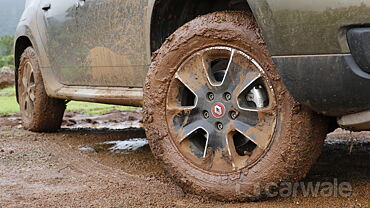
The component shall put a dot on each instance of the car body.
(308, 42)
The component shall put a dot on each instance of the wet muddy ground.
(105, 161)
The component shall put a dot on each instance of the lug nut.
(205, 114)
(233, 115)
(227, 96)
(211, 96)
(219, 125)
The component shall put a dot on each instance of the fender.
(308, 27)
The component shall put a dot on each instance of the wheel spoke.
(216, 140)
(194, 74)
(24, 81)
(232, 71)
(29, 73)
(175, 109)
(26, 74)
(250, 133)
(256, 125)
(237, 161)
(259, 135)
(250, 115)
(220, 53)
(191, 127)
(241, 126)
(221, 158)
(26, 90)
(248, 80)
(239, 73)
(31, 92)
(23, 92)
(29, 106)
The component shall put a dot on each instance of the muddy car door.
(112, 42)
(57, 28)
(98, 42)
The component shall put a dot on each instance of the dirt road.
(79, 168)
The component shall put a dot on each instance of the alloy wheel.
(27, 88)
(221, 110)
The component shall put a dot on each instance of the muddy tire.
(218, 115)
(40, 113)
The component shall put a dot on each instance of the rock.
(7, 77)
(7, 69)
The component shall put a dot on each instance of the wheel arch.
(20, 44)
(167, 16)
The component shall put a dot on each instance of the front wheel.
(218, 115)
(40, 113)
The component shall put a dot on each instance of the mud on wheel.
(221, 109)
(39, 112)
(218, 115)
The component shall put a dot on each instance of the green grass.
(10, 91)
(94, 108)
(8, 104)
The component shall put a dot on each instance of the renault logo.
(218, 110)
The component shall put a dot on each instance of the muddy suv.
(237, 94)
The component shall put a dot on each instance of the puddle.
(127, 145)
(114, 120)
(105, 125)
(86, 149)
(121, 146)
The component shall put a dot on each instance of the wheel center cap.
(218, 110)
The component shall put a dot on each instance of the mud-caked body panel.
(88, 54)
(309, 45)
(105, 46)
(96, 43)
(333, 85)
(292, 27)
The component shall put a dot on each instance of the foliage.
(6, 45)
(6, 51)
(6, 61)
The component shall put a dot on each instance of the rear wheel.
(39, 112)
(218, 115)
